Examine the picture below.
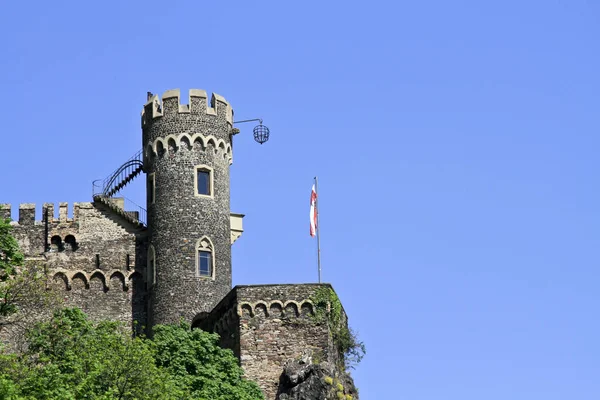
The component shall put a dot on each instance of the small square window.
(204, 263)
(203, 182)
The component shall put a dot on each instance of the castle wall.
(91, 261)
(267, 325)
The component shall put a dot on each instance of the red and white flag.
(313, 212)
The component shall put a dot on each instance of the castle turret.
(187, 154)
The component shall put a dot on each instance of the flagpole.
(318, 237)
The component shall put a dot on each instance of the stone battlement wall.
(197, 105)
(27, 213)
(268, 325)
(92, 261)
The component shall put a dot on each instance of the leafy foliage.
(22, 284)
(198, 364)
(69, 357)
(10, 254)
(10, 259)
(329, 308)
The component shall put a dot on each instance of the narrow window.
(151, 267)
(203, 181)
(204, 263)
(150, 189)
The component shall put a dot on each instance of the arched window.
(56, 243)
(71, 243)
(205, 258)
(151, 267)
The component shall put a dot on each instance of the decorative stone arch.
(120, 278)
(184, 141)
(101, 277)
(59, 277)
(221, 146)
(150, 153)
(151, 267)
(213, 141)
(204, 244)
(245, 310)
(80, 275)
(260, 308)
(307, 308)
(135, 280)
(291, 309)
(230, 317)
(172, 145)
(276, 309)
(198, 142)
(160, 148)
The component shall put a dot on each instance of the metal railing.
(126, 208)
(135, 211)
(104, 189)
(119, 177)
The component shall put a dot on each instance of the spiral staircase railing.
(103, 191)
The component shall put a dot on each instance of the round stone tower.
(187, 154)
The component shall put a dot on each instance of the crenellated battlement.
(268, 325)
(27, 214)
(170, 106)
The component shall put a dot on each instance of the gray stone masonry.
(177, 140)
(91, 260)
(267, 326)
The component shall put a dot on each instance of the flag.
(313, 212)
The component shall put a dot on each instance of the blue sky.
(455, 143)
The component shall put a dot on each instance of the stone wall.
(94, 260)
(267, 326)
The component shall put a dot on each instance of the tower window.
(151, 267)
(204, 263)
(205, 258)
(203, 181)
(150, 189)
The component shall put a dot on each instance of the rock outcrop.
(305, 381)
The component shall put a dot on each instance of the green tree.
(22, 284)
(69, 357)
(202, 368)
(10, 255)
(10, 259)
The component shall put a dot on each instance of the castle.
(172, 260)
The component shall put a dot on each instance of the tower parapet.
(198, 105)
(186, 160)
